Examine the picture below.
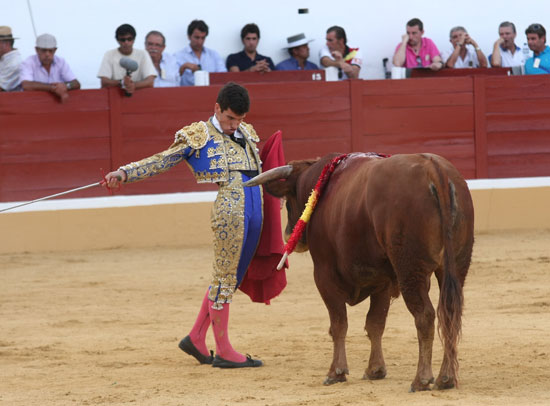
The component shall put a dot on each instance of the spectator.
(10, 61)
(539, 63)
(298, 48)
(414, 51)
(114, 75)
(196, 56)
(47, 72)
(249, 59)
(220, 150)
(337, 53)
(465, 53)
(167, 68)
(506, 53)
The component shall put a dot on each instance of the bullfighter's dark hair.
(234, 97)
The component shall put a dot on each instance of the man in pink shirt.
(414, 51)
(46, 71)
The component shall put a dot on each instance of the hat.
(5, 33)
(46, 41)
(297, 40)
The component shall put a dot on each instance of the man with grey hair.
(166, 65)
(505, 51)
(465, 52)
(46, 71)
(10, 60)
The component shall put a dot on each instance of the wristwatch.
(69, 86)
(478, 49)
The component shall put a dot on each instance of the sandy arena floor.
(102, 328)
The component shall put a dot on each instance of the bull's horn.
(280, 172)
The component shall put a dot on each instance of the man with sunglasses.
(539, 63)
(416, 51)
(114, 75)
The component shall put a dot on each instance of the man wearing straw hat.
(298, 48)
(10, 59)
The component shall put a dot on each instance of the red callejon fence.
(488, 126)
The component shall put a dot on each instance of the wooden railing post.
(356, 113)
(115, 127)
(480, 127)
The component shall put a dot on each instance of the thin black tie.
(239, 141)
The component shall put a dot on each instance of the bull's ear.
(280, 187)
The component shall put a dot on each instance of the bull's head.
(287, 182)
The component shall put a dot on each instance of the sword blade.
(52, 196)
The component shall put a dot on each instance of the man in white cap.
(298, 48)
(48, 72)
(10, 59)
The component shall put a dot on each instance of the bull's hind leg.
(336, 306)
(414, 289)
(374, 326)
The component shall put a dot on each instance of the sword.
(59, 194)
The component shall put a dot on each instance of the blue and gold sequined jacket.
(209, 154)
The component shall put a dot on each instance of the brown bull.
(383, 226)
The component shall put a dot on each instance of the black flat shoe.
(219, 362)
(187, 346)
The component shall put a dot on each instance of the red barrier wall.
(488, 126)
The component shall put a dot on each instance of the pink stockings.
(198, 332)
(220, 322)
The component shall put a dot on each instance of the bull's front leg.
(336, 306)
(374, 326)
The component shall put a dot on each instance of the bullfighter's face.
(229, 120)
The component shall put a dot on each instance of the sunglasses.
(127, 39)
(418, 61)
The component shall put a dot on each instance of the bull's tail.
(451, 299)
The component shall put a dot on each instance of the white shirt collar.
(218, 127)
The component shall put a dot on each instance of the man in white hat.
(298, 48)
(46, 71)
(10, 59)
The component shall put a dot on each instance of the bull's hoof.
(331, 380)
(421, 385)
(444, 382)
(379, 373)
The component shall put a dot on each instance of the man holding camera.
(113, 74)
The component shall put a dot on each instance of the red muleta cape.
(262, 282)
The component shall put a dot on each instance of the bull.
(382, 227)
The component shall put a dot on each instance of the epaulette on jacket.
(196, 135)
(249, 131)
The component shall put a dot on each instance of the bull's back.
(409, 198)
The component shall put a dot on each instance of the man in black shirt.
(248, 59)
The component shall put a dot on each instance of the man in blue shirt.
(196, 56)
(249, 59)
(298, 48)
(539, 63)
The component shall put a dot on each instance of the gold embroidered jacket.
(209, 154)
